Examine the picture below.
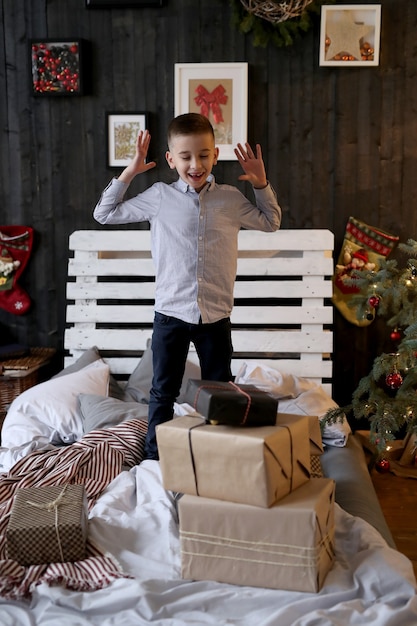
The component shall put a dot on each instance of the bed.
(87, 425)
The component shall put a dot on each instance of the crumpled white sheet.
(135, 519)
(296, 396)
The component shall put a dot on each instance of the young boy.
(194, 226)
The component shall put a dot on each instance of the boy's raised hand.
(252, 165)
(138, 164)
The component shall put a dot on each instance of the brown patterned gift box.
(256, 465)
(48, 525)
(289, 546)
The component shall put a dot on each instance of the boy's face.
(193, 156)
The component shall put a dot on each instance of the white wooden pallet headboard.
(282, 314)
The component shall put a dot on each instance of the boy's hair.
(189, 124)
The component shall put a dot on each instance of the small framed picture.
(350, 35)
(122, 132)
(220, 92)
(126, 4)
(56, 67)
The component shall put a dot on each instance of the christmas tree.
(387, 396)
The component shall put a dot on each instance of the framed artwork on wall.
(122, 132)
(56, 67)
(350, 35)
(125, 4)
(220, 92)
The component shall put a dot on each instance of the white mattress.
(136, 521)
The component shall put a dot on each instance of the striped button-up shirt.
(194, 240)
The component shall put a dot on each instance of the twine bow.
(211, 101)
(51, 507)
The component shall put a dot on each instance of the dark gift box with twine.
(48, 525)
(228, 403)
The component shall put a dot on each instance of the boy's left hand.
(252, 165)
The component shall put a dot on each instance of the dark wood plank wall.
(337, 142)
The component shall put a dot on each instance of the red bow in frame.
(213, 100)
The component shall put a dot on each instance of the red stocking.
(15, 249)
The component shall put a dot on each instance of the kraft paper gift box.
(48, 525)
(257, 465)
(289, 546)
(227, 403)
(316, 443)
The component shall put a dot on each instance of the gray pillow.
(140, 381)
(100, 412)
(88, 357)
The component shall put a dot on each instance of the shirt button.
(200, 238)
(201, 217)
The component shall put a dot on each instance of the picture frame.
(56, 67)
(220, 92)
(122, 131)
(125, 4)
(355, 30)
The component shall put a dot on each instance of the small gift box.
(228, 403)
(255, 466)
(48, 525)
(289, 546)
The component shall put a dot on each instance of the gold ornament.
(345, 35)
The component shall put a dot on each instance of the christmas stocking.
(15, 249)
(363, 247)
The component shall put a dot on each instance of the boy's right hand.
(138, 164)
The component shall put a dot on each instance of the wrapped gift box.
(48, 525)
(257, 466)
(227, 403)
(316, 443)
(289, 546)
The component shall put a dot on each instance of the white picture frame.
(228, 112)
(354, 26)
(122, 132)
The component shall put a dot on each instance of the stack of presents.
(251, 513)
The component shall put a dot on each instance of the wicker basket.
(17, 375)
(276, 12)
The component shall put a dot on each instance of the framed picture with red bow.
(220, 92)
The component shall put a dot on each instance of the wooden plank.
(136, 314)
(256, 289)
(246, 267)
(244, 341)
(283, 239)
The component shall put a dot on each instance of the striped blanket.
(94, 462)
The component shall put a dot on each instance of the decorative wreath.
(279, 22)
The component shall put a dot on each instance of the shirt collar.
(184, 187)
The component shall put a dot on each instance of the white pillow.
(297, 396)
(49, 411)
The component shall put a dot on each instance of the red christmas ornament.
(394, 380)
(383, 466)
(395, 335)
(373, 301)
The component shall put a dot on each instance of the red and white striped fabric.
(94, 461)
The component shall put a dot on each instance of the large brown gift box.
(316, 443)
(48, 525)
(228, 403)
(257, 465)
(289, 546)
(314, 432)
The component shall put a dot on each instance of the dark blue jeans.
(170, 343)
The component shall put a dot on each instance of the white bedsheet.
(135, 520)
